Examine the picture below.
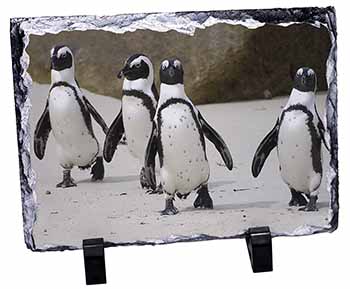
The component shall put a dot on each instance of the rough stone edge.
(22, 84)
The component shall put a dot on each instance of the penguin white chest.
(295, 145)
(137, 125)
(185, 166)
(75, 144)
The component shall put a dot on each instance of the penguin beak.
(303, 79)
(53, 62)
(171, 71)
(120, 74)
(123, 72)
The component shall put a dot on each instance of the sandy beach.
(118, 210)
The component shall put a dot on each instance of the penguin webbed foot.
(297, 200)
(203, 199)
(158, 190)
(97, 170)
(311, 205)
(293, 203)
(67, 182)
(170, 209)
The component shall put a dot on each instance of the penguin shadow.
(113, 180)
(226, 207)
(259, 205)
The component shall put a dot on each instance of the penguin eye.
(138, 65)
(165, 64)
(177, 63)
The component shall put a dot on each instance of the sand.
(118, 210)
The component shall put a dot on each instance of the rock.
(222, 63)
(267, 94)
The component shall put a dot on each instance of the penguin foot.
(66, 184)
(203, 199)
(311, 205)
(67, 180)
(297, 200)
(170, 209)
(158, 190)
(293, 203)
(98, 170)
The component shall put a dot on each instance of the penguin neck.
(142, 84)
(168, 91)
(66, 75)
(299, 97)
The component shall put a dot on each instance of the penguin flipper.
(264, 149)
(113, 137)
(96, 115)
(321, 130)
(218, 142)
(150, 157)
(42, 132)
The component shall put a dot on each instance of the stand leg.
(259, 243)
(94, 260)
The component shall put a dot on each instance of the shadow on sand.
(223, 207)
(113, 180)
(253, 205)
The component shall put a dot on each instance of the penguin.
(297, 135)
(134, 120)
(68, 115)
(178, 138)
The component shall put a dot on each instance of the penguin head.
(61, 58)
(305, 80)
(171, 72)
(137, 66)
(62, 64)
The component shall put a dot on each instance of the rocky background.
(222, 63)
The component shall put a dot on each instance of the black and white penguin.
(139, 102)
(297, 134)
(68, 115)
(178, 138)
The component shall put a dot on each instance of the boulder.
(222, 63)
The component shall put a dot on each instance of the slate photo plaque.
(169, 127)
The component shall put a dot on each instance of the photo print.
(167, 127)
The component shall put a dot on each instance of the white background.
(318, 261)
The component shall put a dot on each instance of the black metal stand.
(94, 260)
(259, 243)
